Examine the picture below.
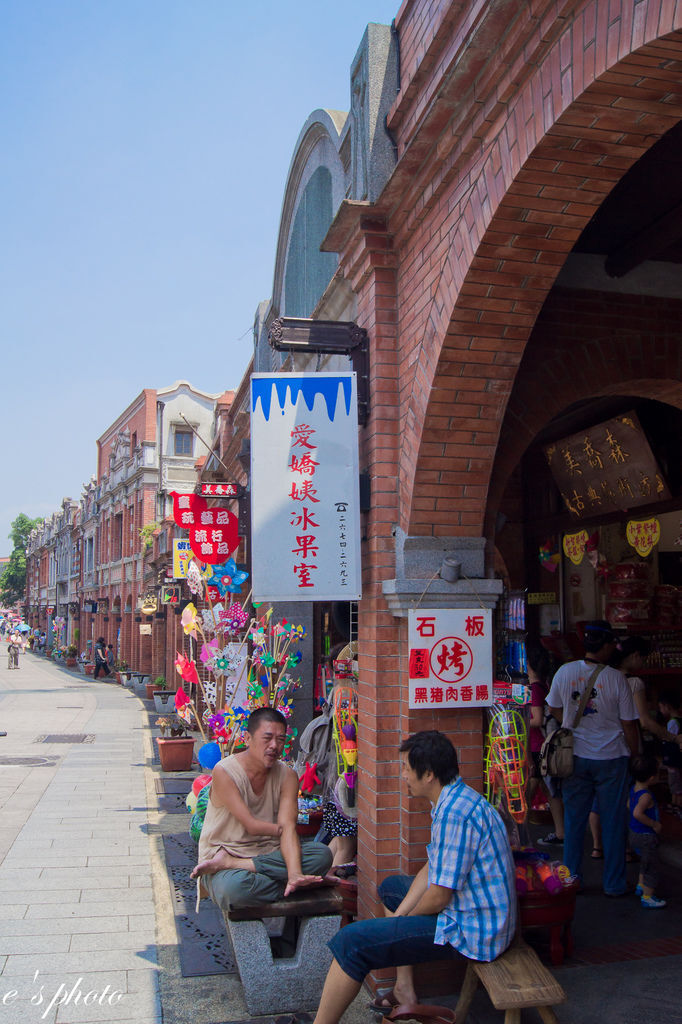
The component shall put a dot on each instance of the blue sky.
(143, 156)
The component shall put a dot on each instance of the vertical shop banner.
(182, 556)
(450, 658)
(305, 500)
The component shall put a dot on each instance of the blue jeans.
(365, 946)
(608, 781)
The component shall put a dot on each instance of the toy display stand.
(553, 911)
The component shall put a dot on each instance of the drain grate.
(66, 737)
(28, 762)
(203, 946)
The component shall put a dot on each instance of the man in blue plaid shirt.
(462, 902)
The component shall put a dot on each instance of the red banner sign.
(213, 532)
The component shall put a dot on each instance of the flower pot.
(89, 669)
(176, 755)
(149, 687)
(71, 662)
(139, 685)
(164, 701)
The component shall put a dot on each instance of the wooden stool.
(514, 981)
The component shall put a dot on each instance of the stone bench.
(280, 985)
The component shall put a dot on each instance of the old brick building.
(94, 562)
(509, 237)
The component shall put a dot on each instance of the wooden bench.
(514, 981)
(274, 985)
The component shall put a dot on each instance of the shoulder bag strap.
(586, 696)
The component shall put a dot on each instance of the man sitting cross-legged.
(463, 901)
(249, 852)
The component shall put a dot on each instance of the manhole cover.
(66, 737)
(28, 762)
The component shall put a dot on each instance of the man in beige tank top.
(249, 851)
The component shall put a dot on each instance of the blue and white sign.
(305, 501)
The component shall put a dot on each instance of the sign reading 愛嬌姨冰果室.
(450, 658)
(305, 500)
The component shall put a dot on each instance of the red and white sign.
(305, 500)
(225, 490)
(213, 532)
(450, 658)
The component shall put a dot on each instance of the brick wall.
(512, 125)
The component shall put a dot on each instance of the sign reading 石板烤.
(450, 658)
(305, 502)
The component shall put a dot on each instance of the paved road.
(87, 929)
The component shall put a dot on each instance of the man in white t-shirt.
(603, 741)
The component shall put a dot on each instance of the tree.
(13, 579)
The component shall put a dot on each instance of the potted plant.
(71, 652)
(121, 669)
(176, 752)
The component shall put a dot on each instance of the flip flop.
(597, 853)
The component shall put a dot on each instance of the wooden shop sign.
(606, 468)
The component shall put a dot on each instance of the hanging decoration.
(574, 546)
(643, 535)
(549, 555)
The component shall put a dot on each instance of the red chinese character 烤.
(451, 658)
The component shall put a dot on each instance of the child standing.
(645, 828)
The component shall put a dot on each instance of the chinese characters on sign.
(305, 487)
(224, 490)
(213, 532)
(182, 556)
(606, 468)
(643, 535)
(574, 546)
(450, 658)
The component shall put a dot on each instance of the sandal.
(597, 853)
(384, 1002)
(424, 1013)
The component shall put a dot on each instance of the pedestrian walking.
(100, 658)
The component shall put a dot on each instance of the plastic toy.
(507, 762)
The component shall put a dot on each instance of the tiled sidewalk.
(77, 927)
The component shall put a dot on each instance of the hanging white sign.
(450, 658)
(305, 502)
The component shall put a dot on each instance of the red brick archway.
(589, 345)
(530, 197)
